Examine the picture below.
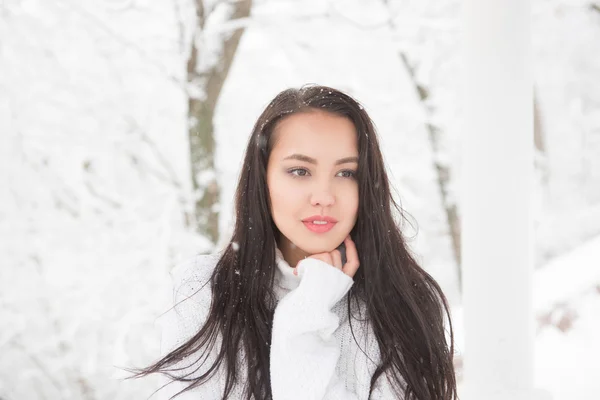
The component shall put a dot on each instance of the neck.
(292, 254)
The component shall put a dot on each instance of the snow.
(95, 176)
(566, 362)
(566, 305)
(568, 276)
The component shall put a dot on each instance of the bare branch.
(124, 42)
(180, 24)
(103, 197)
(442, 170)
(38, 363)
(357, 24)
(200, 14)
(171, 176)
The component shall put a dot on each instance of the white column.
(497, 173)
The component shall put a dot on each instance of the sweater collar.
(285, 273)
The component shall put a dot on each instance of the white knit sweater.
(313, 352)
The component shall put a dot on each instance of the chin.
(309, 245)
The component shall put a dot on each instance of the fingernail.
(295, 271)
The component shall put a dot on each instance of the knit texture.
(314, 354)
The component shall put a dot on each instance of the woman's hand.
(334, 258)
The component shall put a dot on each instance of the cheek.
(350, 200)
(284, 195)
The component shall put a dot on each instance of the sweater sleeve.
(191, 303)
(304, 350)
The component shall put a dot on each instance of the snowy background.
(95, 175)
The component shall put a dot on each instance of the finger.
(337, 259)
(351, 252)
(352, 261)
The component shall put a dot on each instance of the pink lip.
(320, 218)
(321, 228)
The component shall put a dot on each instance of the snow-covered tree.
(215, 35)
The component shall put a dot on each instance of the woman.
(280, 313)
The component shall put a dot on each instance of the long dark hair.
(404, 305)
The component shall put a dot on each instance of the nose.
(322, 196)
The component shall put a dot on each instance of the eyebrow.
(302, 157)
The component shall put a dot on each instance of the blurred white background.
(107, 106)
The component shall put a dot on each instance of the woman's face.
(312, 172)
